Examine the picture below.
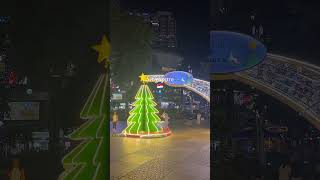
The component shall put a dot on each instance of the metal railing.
(200, 87)
(293, 79)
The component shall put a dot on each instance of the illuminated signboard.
(153, 78)
(174, 78)
(233, 52)
(116, 96)
(24, 111)
(178, 78)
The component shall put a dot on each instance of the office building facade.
(163, 24)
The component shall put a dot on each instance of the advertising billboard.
(233, 52)
(24, 111)
(116, 96)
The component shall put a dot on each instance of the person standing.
(317, 169)
(115, 119)
(296, 171)
(261, 32)
(166, 118)
(285, 171)
(16, 172)
(253, 31)
(198, 118)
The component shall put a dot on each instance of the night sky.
(282, 20)
(192, 24)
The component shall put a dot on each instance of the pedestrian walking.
(115, 119)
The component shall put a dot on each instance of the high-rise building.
(219, 10)
(4, 46)
(166, 30)
(163, 24)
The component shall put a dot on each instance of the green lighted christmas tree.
(89, 160)
(143, 119)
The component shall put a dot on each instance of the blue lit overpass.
(289, 80)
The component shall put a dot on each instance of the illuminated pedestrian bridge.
(198, 86)
(291, 81)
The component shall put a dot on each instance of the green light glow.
(143, 117)
(88, 161)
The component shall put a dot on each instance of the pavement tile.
(184, 155)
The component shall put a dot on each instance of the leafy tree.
(131, 41)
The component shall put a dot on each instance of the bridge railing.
(201, 87)
(294, 79)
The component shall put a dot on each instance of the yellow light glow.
(144, 78)
(104, 50)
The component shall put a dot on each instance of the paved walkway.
(183, 155)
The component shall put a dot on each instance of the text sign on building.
(174, 78)
(233, 52)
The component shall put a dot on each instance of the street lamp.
(260, 136)
(57, 82)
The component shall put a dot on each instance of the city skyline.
(192, 19)
(163, 24)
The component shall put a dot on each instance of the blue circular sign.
(178, 78)
(233, 52)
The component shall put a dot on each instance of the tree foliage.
(131, 41)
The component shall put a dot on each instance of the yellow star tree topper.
(144, 78)
(104, 50)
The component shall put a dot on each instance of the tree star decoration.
(104, 50)
(144, 78)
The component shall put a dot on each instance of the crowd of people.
(293, 80)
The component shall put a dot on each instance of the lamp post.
(57, 84)
(260, 124)
(54, 115)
